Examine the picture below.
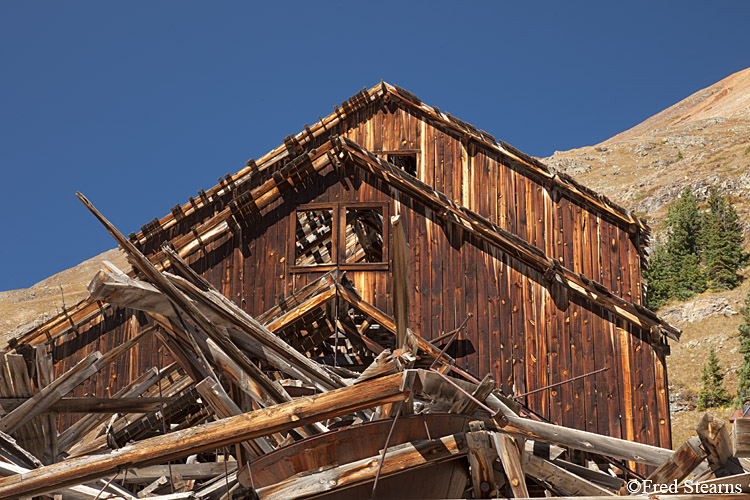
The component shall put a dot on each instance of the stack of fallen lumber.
(245, 412)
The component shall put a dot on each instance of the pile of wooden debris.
(242, 413)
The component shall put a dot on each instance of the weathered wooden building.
(542, 276)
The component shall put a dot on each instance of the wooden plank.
(45, 373)
(741, 438)
(561, 479)
(506, 449)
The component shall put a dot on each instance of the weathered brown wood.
(684, 460)
(401, 286)
(45, 373)
(75, 432)
(468, 406)
(714, 437)
(224, 407)
(199, 471)
(481, 456)
(92, 405)
(741, 438)
(210, 436)
(48, 395)
(560, 478)
(398, 459)
(506, 449)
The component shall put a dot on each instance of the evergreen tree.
(743, 386)
(684, 274)
(658, 290)
(713, 393)
(721, 243)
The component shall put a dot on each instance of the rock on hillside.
(702, 140)
(24, 308)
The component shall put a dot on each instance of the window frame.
(338, 232)
(403, 152)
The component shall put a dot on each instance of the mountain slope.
(702, 140)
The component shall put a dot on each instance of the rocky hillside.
(701, 141)
(24, 308)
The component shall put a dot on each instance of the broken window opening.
(364, 235)
(313, 237)
(405, 161)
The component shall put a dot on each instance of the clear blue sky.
(140, 104)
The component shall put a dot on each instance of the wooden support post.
(401, 287)
(209, 436)
(684, 460)
(506, 449)
(714, 437)
(481, 455)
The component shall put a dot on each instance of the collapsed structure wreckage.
(196, 382)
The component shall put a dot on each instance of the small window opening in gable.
(364, 235)
(405, 161)
(313, 243)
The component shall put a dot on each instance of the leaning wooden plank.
(50, 394)
(397, 459)
(15, 454)
(560, 478)
(508, 452)
(213, 394)
(715, 439)
(210, 436)
(468, 406)
(684, 460)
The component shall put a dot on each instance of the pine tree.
(713, 393)
(684, 274)
(721, 243)
(743, 386)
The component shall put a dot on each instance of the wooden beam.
(93, 405)
(561, 479)
(213, 435)
(741, 438)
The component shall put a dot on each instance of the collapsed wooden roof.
(295, 427)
